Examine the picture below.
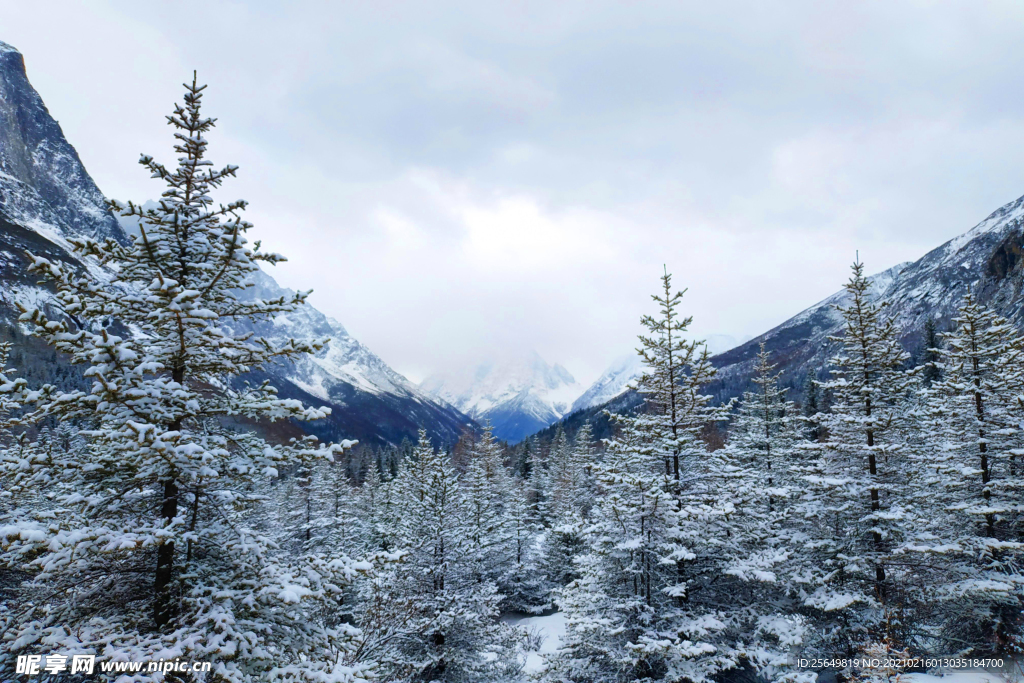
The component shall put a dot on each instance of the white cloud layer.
(457, 179)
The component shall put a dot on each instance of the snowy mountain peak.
(517, 395)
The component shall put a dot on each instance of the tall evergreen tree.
(930, 354)
(487, 486)
(643, 607)
(980, 480)
(433, 617)
(570, 502)
(812, 406)
(764, 431)
(856, 499)
(524, 587)
(153, 550)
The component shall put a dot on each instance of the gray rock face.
(43, 184)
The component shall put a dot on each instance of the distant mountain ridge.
(516, 396)
(47, 197)
(988, 258)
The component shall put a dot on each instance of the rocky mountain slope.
(619, 377)
(47, 197)
(988, 259)
(517, 396)
(43, 185)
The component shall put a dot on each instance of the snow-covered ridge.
(987, 259)
(517, 395)
(42, 180)
(345, 360)
(620, 376)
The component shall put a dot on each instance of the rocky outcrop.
(43, 184)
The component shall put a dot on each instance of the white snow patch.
(995, 676)
(552, 630)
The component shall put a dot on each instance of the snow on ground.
(552, 629)
(1009, 675)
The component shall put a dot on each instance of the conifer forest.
(839, 499)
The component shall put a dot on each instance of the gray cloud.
(457, 178)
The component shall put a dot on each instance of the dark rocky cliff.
(43, 183)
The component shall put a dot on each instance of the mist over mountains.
(516, 396)
(47, 197)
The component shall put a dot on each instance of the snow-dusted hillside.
(988, 258)
(518, 396)
(619, 377)
(47, 197)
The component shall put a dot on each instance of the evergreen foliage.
(144, 517)
(150, 542)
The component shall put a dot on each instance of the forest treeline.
(143, 518)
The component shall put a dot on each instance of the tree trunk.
(163, 602)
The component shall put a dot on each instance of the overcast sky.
(459, 180)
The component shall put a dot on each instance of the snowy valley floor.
(551, 629)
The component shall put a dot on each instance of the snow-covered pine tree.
(676, 413)
(757, 471)
(764, 431)
(653, 552)
(371, 511)
(982, 359)
(811, 408)
(22, 488)
(569, 503)
(930, 355)
(431, 617)
(298, 510)
(339, 524)
(613, 604)
(316, 509)
(856, 501)
(537, 485)
(524, 584)
(977, 430)
(486, 486)
(152, 550)
(558, 458)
